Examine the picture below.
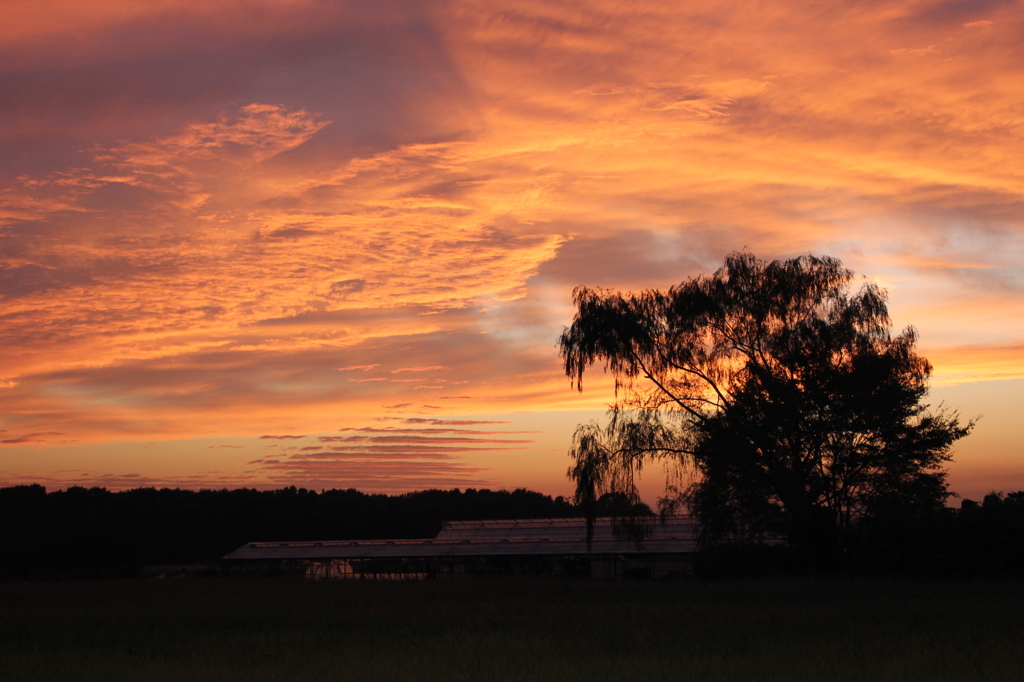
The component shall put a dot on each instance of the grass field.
(236, 629)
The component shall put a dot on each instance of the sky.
(332, 244)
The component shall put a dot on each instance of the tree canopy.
(782, 392)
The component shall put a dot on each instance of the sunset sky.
(332, 244)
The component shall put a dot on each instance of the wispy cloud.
(272, 216)
(47, 437)
(436, 454)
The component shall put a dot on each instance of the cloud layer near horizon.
(265, 216)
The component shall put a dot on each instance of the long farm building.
(642, 548)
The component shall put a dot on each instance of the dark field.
(235, 629)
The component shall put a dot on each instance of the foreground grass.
(235, 629)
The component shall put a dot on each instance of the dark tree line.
(975, 540)
(92, 532)
(985, 538)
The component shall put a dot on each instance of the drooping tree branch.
(787, 394)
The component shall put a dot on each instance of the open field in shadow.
(237, 629)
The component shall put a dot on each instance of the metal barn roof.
(564, 529)
(534, 537)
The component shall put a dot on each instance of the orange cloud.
(262, 216)
(966, 364)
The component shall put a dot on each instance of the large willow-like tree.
(781, 392)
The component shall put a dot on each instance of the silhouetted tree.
(786, 394)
